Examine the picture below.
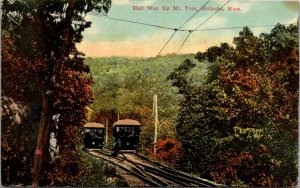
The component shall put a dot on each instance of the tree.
(20, 108)
(169, 151)
(263, 98)
(194, 134)
(45, 34)
(241, 123)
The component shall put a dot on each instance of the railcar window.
(92, 132)
(136, 130)
(87, 130)
(128, 129)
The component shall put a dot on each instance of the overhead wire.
(181, 27)
(167, 42)
(193, 15)
(239, 27)
(184, 42)
(130, 21)
(185, 30)
(190, 32)
(211, 15)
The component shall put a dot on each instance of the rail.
(153, 173)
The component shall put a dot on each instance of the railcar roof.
(93, 125)
(127, 122)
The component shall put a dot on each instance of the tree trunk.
(40, 158)
(42, 141)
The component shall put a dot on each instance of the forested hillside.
(241, 126)
(126, 86)
(229, 113)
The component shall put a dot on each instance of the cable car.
(93, 135)
(126, 133)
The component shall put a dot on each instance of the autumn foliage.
(19, 105)
(240, 126)
(168, 151)
(46, 75)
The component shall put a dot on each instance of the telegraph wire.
(190, 32)
(167, 42)
(183, 30)
(193, 15)
(211, 15)
(180, 28)
(239, 27)
(130, 21)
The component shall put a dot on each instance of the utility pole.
(106, 132)
(155, 122)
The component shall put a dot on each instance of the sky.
(108, 37)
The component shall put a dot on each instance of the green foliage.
(240, 126)
(212, 53)
(100, 173)
(127, 85)
(123, 83)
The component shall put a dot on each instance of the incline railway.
(138, 170)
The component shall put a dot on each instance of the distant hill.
(123, 83)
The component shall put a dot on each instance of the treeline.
(240, 127)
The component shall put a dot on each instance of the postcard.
(158, 93)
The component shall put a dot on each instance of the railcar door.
(86, 138)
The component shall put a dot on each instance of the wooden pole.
(155, 122)
(106, 133)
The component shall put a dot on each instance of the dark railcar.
(126, 135)
(93, 135)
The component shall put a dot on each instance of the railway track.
(150, 173)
